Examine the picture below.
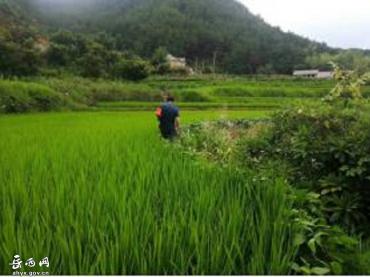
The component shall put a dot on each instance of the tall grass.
(102, 194)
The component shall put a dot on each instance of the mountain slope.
(207, 32)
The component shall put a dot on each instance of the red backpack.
(159, 112)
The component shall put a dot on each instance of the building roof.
(175, 59)
(326, 73)
(306, 72)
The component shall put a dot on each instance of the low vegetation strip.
(254, 105)
(72, 93)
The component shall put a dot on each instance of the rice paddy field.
(101, 193)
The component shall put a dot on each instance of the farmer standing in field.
(168, 116)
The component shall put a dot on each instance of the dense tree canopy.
(215, 35)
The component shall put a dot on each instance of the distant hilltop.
(221, 34)
(212, 35)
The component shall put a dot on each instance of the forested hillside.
(17, 36)
(202, 31)
(214, 35)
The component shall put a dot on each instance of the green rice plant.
(101, 193)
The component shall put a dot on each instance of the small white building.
(176, 63)
(325, 75)
(310, 73)
(313, 73)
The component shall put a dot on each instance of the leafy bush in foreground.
(328, 150)
(325, 149)
(321, 247)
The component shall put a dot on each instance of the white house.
(313, 73)
(325, 75)
(176, 63)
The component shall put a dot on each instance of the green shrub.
(13, 101)
(45, 99)
(159, 61)
(133, 69)
(209, 141)
(218, 141)
(321, 247)
(192, 96)
(19, 97)
(349, 85)
(328, 152)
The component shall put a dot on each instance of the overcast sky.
(339, 23)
